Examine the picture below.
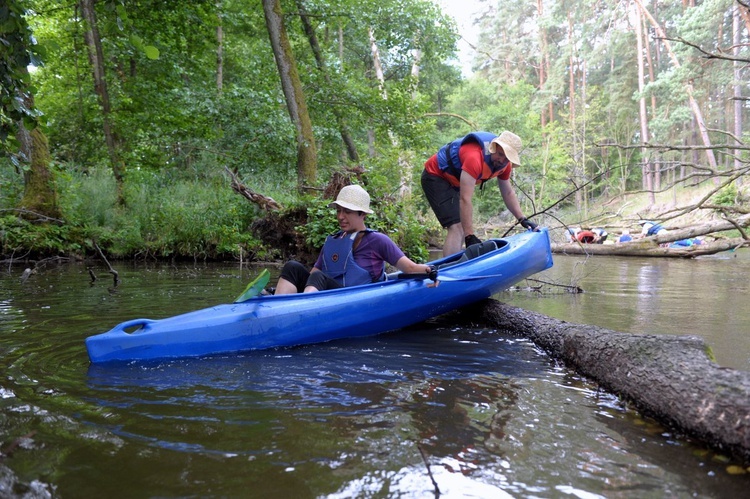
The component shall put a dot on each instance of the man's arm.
(466, 208)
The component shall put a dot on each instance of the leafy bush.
(727, 196)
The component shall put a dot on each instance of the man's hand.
(471, 239)
(528, 224)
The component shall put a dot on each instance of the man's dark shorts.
(443, 198)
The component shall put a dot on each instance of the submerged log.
(673, 379)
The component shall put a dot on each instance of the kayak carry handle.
(139, 323)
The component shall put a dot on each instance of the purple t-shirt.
(374, 249)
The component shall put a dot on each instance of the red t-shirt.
(471, 156)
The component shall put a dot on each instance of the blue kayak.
(266, 322)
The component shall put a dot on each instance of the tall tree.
(295, 97)
(688, 87)
(96, 58)
(737, 84)
(346, 137)
(648, 174)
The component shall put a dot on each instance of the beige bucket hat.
(511, 144)
(353, 197)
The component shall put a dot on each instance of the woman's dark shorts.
(297, 274)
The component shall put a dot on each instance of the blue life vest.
(655, 228)
(448, 159)
(338, 260)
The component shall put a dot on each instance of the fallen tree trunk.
(670, 378)
(649, 247)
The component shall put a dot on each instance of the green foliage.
(321, 222)
(727, 196)
(20, 237)
(401, 225)
(16, 54)
(11, 184)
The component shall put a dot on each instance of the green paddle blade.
(256, 287)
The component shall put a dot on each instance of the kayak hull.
(280, 321)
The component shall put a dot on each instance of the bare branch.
(457, 116)
(706, 54)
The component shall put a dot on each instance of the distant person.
(625, 237)
(600, 235)
(353, 256)
(572, 232)
(585, 236)
(650, 228)
(684, 243)
(451, 175)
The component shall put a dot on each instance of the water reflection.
(483, 413)
(703, 297)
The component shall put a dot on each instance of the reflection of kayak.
(286, 320)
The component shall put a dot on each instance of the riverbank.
(210, 223)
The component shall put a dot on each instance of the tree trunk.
(670, 378)
(307, 156)
(346, 137)
(96, 58)
(39, 195)
(688, 87)
(403, 163)
(578, 167)
(737, 86)
(219, 51)
(648, 174)
(546, 111)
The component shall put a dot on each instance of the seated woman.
(353, 256)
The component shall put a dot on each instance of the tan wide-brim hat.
(511, 144)
(353, 197)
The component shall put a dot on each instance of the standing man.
(451, 176)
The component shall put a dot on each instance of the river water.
(434, 410)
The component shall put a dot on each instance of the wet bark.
(673, 379)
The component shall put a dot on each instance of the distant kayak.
(269, 321)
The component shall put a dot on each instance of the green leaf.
(137, 41)
(151, 52)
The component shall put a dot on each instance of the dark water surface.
(480, 413)
(707, 297)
